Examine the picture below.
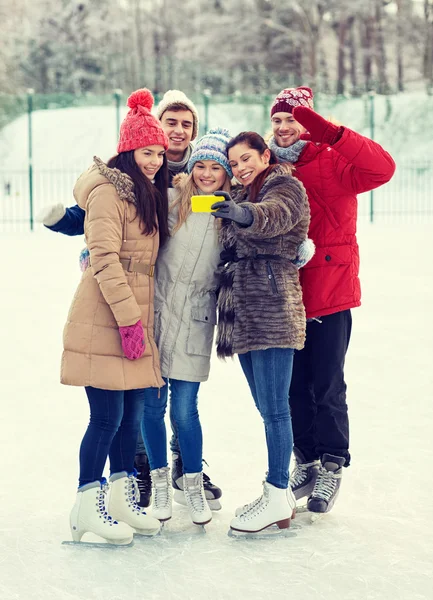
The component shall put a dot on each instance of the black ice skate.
(213, 492)
(303, 476)
(144, 480)
(327, 484)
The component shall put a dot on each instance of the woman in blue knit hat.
(185, 317)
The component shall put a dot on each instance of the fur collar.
(121, 181)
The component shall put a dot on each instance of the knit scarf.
(290, 154)
(179, 167)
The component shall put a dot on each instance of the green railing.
(34, 177)
(408, 197)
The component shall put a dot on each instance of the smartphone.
(200, 204)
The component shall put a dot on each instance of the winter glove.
(228, 209)
(84, 259)
(133, 343)
(319, 129)
(50, 215)
(304, 252)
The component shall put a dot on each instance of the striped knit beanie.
(140, 128)
(212, 146)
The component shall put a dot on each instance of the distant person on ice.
(261, 314)
(334, 164)
(179, 120)
(108, 338)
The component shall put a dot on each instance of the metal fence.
(31, 179)
(408, 197)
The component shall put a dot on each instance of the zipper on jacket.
(271, 278)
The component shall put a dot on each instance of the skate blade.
(107, 545)
(306, 516)
(270, 532)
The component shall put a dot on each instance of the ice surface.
(377, 543)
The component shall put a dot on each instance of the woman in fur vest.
(108, 339)
(261, 314)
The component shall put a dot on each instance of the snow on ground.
(377, 543)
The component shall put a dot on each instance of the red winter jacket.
(333, 176)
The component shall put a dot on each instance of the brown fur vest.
(260, 300)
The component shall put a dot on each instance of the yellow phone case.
(200, 204)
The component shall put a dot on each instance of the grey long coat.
(186, 282)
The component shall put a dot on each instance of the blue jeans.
(184, 412)
(268, 373)
(174, 440)
(115, 418)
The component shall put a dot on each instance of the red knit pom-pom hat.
(140, 128)
(290, 97)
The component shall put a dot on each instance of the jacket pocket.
(271, 277)
(202, 326)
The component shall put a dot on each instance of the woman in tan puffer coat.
(108, 339)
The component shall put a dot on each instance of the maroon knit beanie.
(140, 128)
(289, 98)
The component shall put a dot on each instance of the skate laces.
(256, 506)
(325, 484)
(300, 473)
(133, 493)
(102, 510)
(161, 487)
(194, 492)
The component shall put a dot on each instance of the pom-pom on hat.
(290, 97)
(140, 128)
(212, 146)
(171, 100)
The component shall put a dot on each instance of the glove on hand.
(304, 252)
(84, 259)
(50, 215)
(228, 209)
(133, 343)
(319, 129)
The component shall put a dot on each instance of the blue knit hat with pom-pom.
(212, 146)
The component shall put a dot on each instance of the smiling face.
(209, 176)
(178, 125)
(247, 163)
(286, 129)
(149, 160)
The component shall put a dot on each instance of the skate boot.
(195, 497)
(144, 481)
(290, 498)
(327, 484)
(89, 514)
(161, 494)
(123, 504)
(274, 507)
(212, 491)
(303, 476)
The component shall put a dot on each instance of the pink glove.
(133, 343)
(319, 129)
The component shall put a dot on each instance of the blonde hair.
(183, 199)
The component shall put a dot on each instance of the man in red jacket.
(334, 164)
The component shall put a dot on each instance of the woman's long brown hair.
(255, 141)
(151, 198)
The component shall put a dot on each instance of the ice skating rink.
(377, 543)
